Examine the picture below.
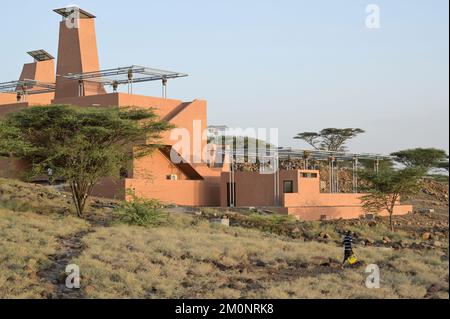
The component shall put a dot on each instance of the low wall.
(13, 168)
(110, 188)
(322, 199)
(10, 108)
(256, 189)
(181, 192)
(336, 212)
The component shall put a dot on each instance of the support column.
(164, 88)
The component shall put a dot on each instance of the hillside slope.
(259, 256)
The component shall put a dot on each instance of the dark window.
(123, 172)
(309, 175)
(229, 199)
(288, 187)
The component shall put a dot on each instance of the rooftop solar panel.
(41, 55)
(66, 12)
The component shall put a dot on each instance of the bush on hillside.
(141, 212)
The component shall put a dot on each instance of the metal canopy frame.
(27, 87)
(40, 55)
(273, 156)
(289, 153)
(126, 76)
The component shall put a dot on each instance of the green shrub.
(272, 223)
(141, 212)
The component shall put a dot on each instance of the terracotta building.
(201, 179)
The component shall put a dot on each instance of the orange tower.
(77, 53)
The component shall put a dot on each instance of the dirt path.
(54, 276)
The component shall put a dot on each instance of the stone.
(437, 244)
(426, 211)
(372, 223)
(221, 221)
(327, 236)
(426, 236)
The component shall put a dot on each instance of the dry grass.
(203, 261)
(190, 258)
(27, 239)
(21, 197)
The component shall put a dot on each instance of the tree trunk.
(80, 194)
(391, 213)
(75, 198)
(390, 221)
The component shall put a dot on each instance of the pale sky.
(294, 65)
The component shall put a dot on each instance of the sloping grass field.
(189, 257)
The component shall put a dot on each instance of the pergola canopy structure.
(269, 160)
(27, 87)
(126, 75)
(290, 153)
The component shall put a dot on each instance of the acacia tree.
(80, 145)
(388, 186)
(443, 165)
(427, 158)
(330, 139)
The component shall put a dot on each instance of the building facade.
(200, 178)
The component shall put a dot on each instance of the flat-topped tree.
(80, 145)
(388, 186)
(426, 158)
(330, 139)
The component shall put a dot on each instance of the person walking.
(348, 246)
(50, 175)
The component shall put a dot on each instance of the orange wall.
(12, 168)
(13, 107)
(181, 115)
(7, 98)
(77, 53)
(181, 192)
(255, 189)
(43, 71)
(162, 106)
(40, 71)
(193, 118)
(111, 99)
(307, 203)
(336, 212)
(155, 166)
(306, 198)
(110, 188)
